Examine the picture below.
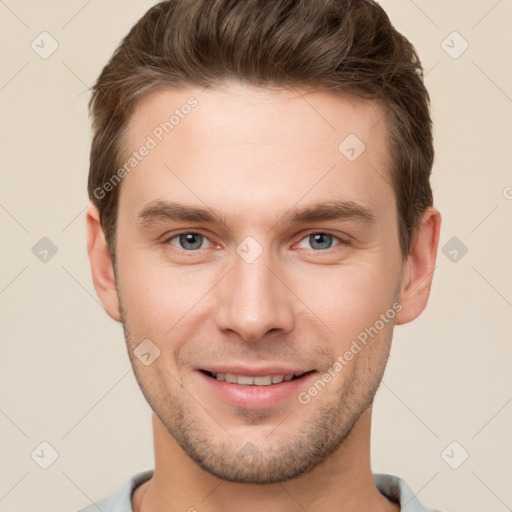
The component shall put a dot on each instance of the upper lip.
(255, 372)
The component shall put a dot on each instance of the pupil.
(323, 240)
(190, 241)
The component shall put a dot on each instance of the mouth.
(260, 380)
(254, 388)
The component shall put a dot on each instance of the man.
(261, 218)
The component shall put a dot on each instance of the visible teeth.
(246, 380)
(262, 381)
(230, 377)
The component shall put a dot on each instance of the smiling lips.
(244, 376)
(248, 380)
(262, 388)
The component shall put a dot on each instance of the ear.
(419, 268)
(101, 264)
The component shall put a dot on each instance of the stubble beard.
(277, 458)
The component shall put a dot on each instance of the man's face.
(271, 290)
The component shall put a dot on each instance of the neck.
(343, 481)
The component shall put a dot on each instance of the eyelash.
(342, 241)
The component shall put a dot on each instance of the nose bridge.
(254, 300)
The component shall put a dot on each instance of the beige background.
(64, 375)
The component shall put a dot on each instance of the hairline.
(306, 87)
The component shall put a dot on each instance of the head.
(261, 201)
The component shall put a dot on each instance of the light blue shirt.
(393, 487)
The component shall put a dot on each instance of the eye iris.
(324, 240)
(190, 241)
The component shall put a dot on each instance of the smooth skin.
(253, 156)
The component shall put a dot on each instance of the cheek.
(346, 298)
(156, 296)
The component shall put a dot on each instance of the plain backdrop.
(443, 414)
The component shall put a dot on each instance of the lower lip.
(256, 397)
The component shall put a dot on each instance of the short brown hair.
(342, 45)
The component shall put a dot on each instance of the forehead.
(239, 145)
(257, 114)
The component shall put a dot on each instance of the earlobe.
(101, 264)
(419, 268)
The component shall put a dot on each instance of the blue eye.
(188, 241)
(320, 241)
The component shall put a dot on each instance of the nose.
(253, 299)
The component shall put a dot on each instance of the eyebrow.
(330, 210)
